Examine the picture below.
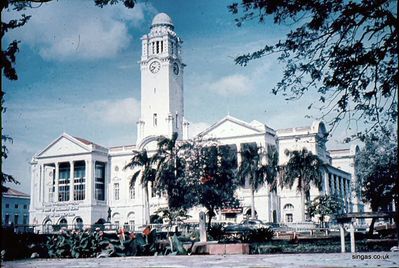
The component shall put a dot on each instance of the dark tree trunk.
(371, 228)
(210, 215)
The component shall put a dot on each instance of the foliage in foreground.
(346, 52)
(377, 169)
(322, 206)
(88, 244)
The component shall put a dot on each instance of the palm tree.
(170, 175)
(146, 173)
(166, 161)
(256, 173)
(305, 168)
(272, 168)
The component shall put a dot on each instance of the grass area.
(332, 245)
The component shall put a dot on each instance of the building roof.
(87, 142)
(82, 145)
(162, 19)
(345, 152)
(255, 126)
(14, 193)
(317, 127)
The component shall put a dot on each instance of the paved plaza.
(369, 259)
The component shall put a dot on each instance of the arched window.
(288, 207)
(116, 191)
(132, 192)
(131, 220)
(116, 219)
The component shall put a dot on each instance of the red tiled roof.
(84, 141)
(13, 192)
(87, 142)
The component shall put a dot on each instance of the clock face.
(176, 68)
(155, 66)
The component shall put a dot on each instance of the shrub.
(99, 244)
(216, 232)
(259, 235)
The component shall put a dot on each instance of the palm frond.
(133, 179)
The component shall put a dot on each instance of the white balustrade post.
(342, 234)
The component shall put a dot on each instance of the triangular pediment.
(230, 127)
(65, 145)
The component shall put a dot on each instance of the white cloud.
(236, 84)
(66, 31)
(91, 40)
(196, 128)
(124, 111)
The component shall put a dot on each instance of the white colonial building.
(75, 181)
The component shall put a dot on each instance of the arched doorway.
(47, 226)
(78, 223)
(63, 223)
(248, 214)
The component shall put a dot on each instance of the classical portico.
(69, 177)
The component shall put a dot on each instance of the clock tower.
(162, 107)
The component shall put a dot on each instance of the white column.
(334, 185)
(350, 196)
(43, 187)
(352, 236)
(41, 172)
(342, 234)
(57, 175)
(32, 185)
(337, 186)
(342, 192)
(87, 179)
(93, 181)
(72, 180)
(238, 145)
(326, 187)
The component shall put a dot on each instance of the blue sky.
(78, 73)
